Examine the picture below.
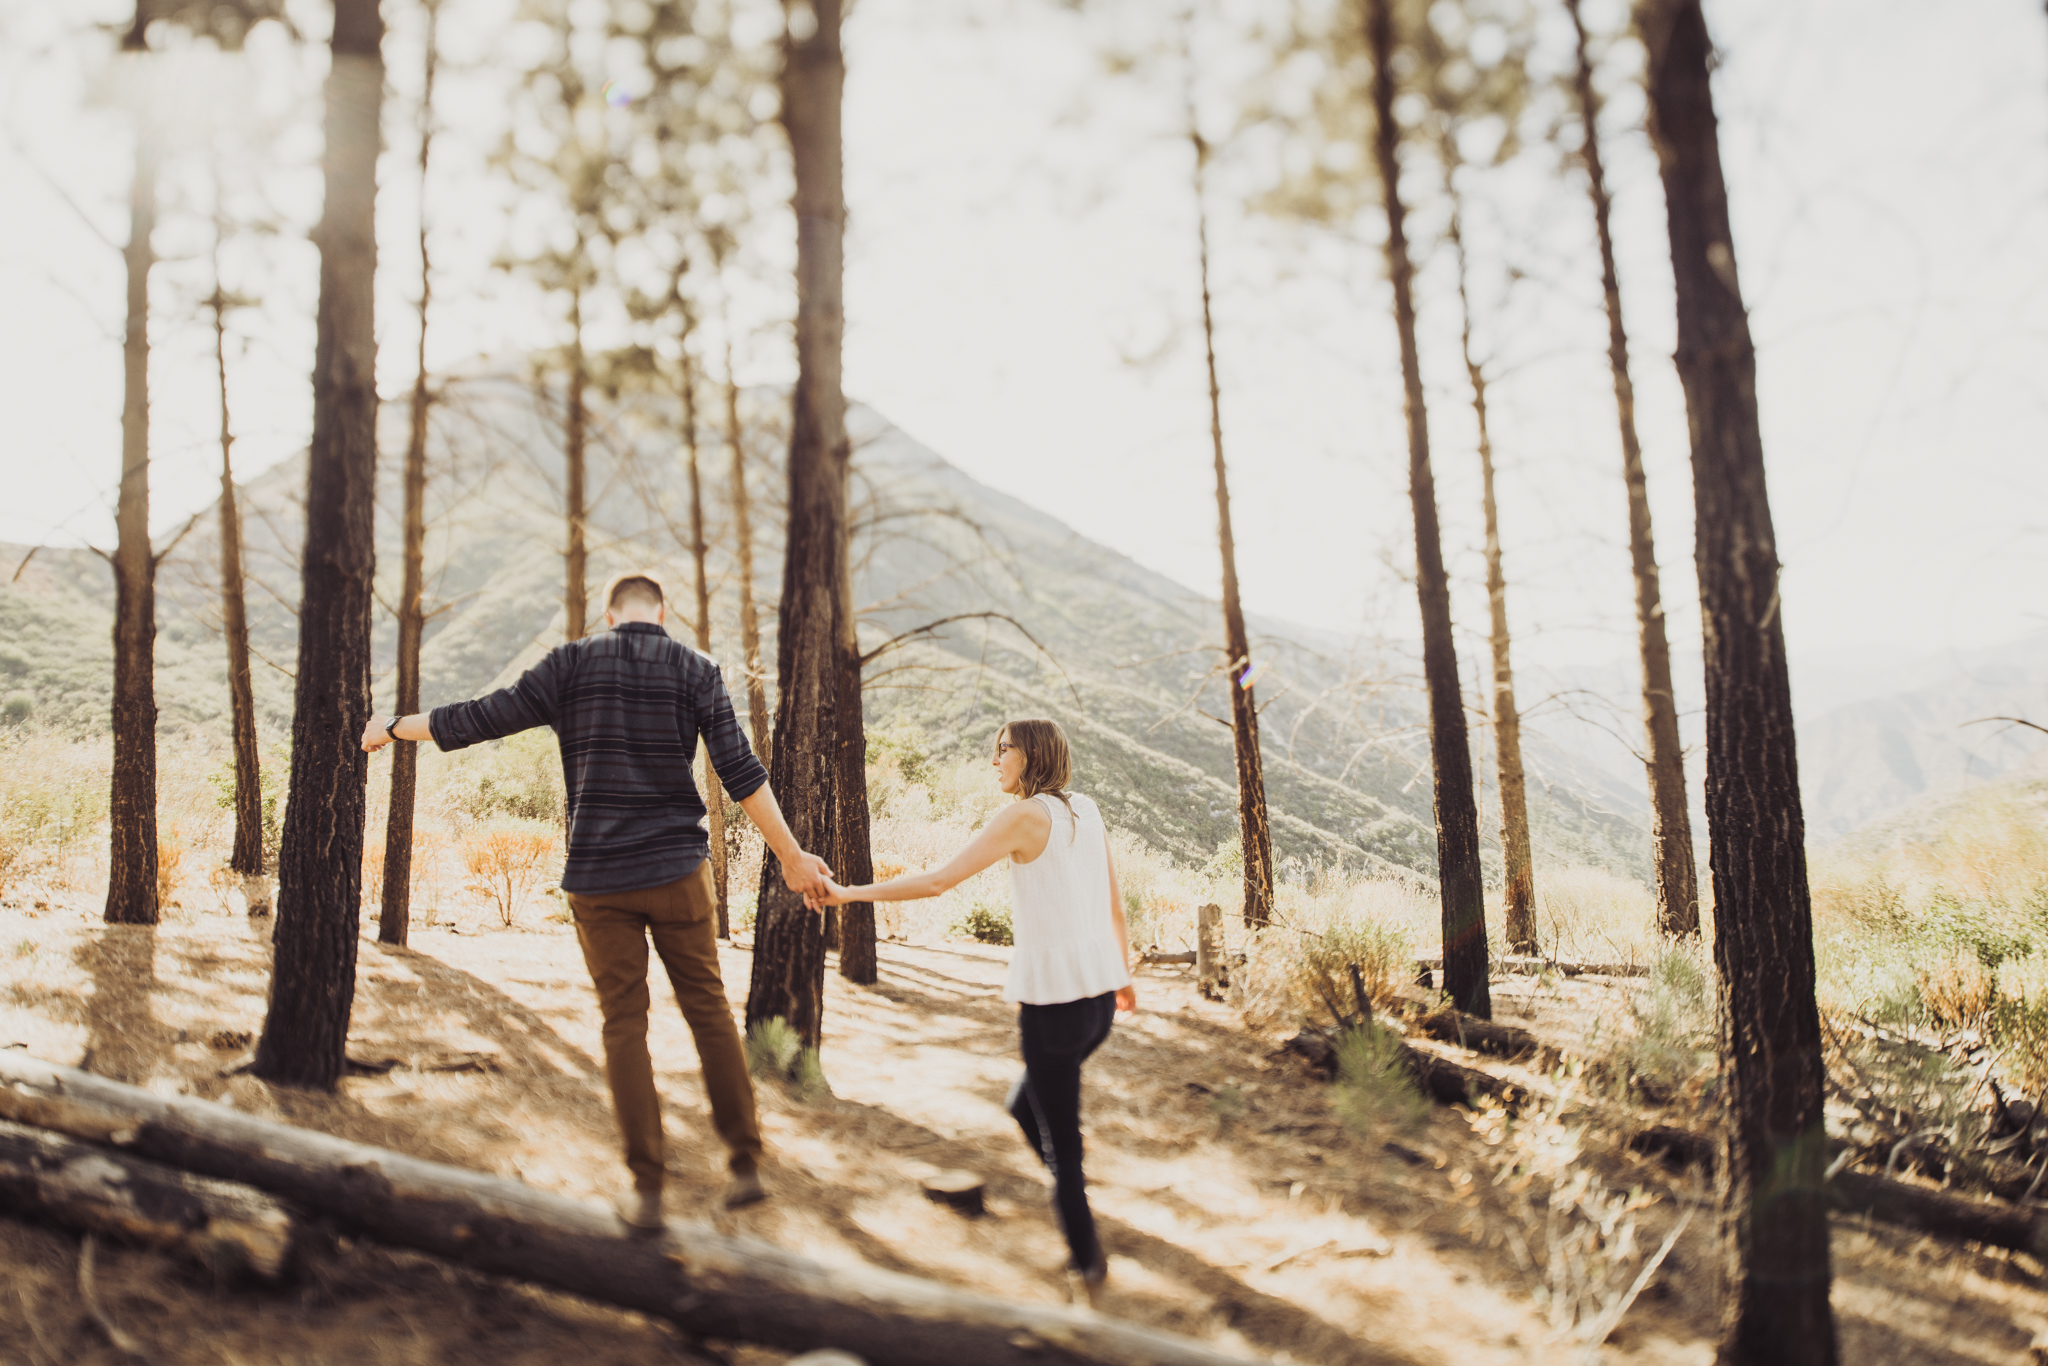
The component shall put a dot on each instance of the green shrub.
(986, 923)
(772, 1048)
(273, 779)
(520, 776)
(1674, 1018)
(774, 1052)
(1375, 1093)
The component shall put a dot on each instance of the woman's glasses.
(1003, 747)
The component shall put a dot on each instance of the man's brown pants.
(680, 917)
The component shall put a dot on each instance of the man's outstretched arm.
(804, 873)
(413, 727)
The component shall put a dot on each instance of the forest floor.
(1236, 1205)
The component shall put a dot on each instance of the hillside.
(1124, 658)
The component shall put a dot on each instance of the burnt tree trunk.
(394, 914)
(743, 545)
(714, 794)
(854, 858)
(1775, 1258)
(1518, 890)
(806, 767)
(320, 869)
(1254, 831)
(131, 809)
(1457, 815)
(575, 556)
(246, 857)
(1678, 897)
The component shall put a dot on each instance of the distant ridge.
(1122, 646)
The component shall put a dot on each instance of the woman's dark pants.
(1046, 1103)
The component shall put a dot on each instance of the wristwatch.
(391, 726)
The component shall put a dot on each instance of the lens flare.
(616, 95)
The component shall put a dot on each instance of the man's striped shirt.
(627, 707)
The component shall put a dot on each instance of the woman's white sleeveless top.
(1066, 947)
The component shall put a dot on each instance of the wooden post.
(1208, 946)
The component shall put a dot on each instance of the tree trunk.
(320, 869)
(806, 766)
(230, 1229)
(1254, 832)
(743, 544)
(575, 558)
(131, 811)
(714, 795)
(1457, 815)
(1773, 1200)
(1518, 890)
(1678, 897)
(246, 857)
(854, 860)
(394, 914)
(711, 1284)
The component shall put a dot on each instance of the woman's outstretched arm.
(1019, 828)
(1127, 994)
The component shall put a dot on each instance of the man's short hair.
(634, 587)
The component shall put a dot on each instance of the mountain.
(1920, 731)
(976, 605)
(1881, 731)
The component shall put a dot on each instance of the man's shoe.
(639, 1210)
(743, 1190)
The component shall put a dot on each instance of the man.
(628, 706)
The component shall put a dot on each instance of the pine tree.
(1774, 1144)
(312, 984)
(1678, 900)
(1462, 887)
(394, 915)
(817, 718)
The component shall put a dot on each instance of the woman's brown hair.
(1048, 761)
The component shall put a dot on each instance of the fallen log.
(230, 1229)
(1531, 966)
(1184, 958)
(711, 1284)
(1482, 1036)
(1445, 1080)
(2022, 1228)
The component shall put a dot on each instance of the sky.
(1021, 296)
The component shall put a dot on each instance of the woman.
(1070, 971)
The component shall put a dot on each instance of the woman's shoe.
(1084, 1284)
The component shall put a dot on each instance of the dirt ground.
(1235, 1204)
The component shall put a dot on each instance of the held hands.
(808, 875)
(831, 894)
(1127, 999)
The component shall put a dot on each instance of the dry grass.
(1237, 1202)
(508, 859)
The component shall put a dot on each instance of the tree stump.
(957, 1190)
